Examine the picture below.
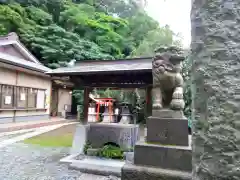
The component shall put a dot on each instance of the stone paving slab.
(98, 166)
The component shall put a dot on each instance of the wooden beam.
(115, 86)
(119, 79)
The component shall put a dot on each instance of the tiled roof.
(13, 39)
(33, 64)
(5, 58)
(83, 67)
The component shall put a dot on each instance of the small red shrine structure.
(107, 102)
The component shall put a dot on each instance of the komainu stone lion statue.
(167, 79)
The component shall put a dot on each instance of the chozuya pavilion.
(122, 73)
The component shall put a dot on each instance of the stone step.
(162, 156)
(97, 166)
(134, 172)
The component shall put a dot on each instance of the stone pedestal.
(169, 131)
(166, 154)
(163, 156)
(135, 172)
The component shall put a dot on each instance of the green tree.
(187, 87)
(107, 31)
(162, 36)
(119, 8)
(39, 16)
(13, 17)
(140, 24)
(53, 44)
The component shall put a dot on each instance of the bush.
(112, 152)
(86, 147)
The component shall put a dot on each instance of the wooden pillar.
(85, 105)
(149, 100)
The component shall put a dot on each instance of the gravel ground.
(28, 162)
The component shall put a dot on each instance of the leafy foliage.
(187, 87)
(58, 45)
(162, 36)
(111, 151)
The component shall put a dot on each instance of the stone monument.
(166, 154)
(216, 83)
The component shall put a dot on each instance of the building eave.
(106, 67)
(12, 60)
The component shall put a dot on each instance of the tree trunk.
(216, 89)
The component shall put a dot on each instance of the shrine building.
(25, 88)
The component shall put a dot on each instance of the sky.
(175, 13)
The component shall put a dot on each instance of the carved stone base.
(166, 157)
(168, 131)
(133, 172)
(167, 113)
(124, 135)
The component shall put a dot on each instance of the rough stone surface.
(80, 139)
(166, 157)
(129, 157)
(167, 113)
(216, 84)
(133, 172)
(167, 131)
(26, 162)
(125, 135)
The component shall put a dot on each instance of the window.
(7, 93)
(32, 98)
(12, 97)
(21, 97)
(40, 99)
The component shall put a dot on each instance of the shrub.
(110, 151)
(86, 147)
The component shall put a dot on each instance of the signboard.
(8, 100)
(22, 97)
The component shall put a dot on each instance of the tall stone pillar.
(216, 89)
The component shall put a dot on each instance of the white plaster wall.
(7, 76)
